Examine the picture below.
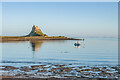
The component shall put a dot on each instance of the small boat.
(77, 44)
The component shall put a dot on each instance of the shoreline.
(59, 72)
(75, 78)
(33, 38)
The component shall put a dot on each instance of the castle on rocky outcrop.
(36, 31)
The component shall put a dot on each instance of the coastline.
(75, 78)
(59, 72)
(12, 78)
(69, 72)
(34, 38)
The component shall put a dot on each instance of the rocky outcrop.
(35, 34)
(36, 31)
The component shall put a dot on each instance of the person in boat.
(77, 44)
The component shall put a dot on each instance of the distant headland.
(35, 34)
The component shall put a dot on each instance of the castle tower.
(36, 31)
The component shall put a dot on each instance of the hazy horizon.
(73, 19)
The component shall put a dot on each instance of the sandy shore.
(59, 72)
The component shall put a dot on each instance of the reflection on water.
(82, 44)
(78, 46)
(91, 51)
(36, 45)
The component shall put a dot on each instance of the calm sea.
(92, 51)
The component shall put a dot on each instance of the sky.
(71, 19)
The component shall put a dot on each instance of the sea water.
(92, 51)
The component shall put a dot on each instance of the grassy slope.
(32, 37)
(23, 38)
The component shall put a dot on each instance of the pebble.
(110, 72)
